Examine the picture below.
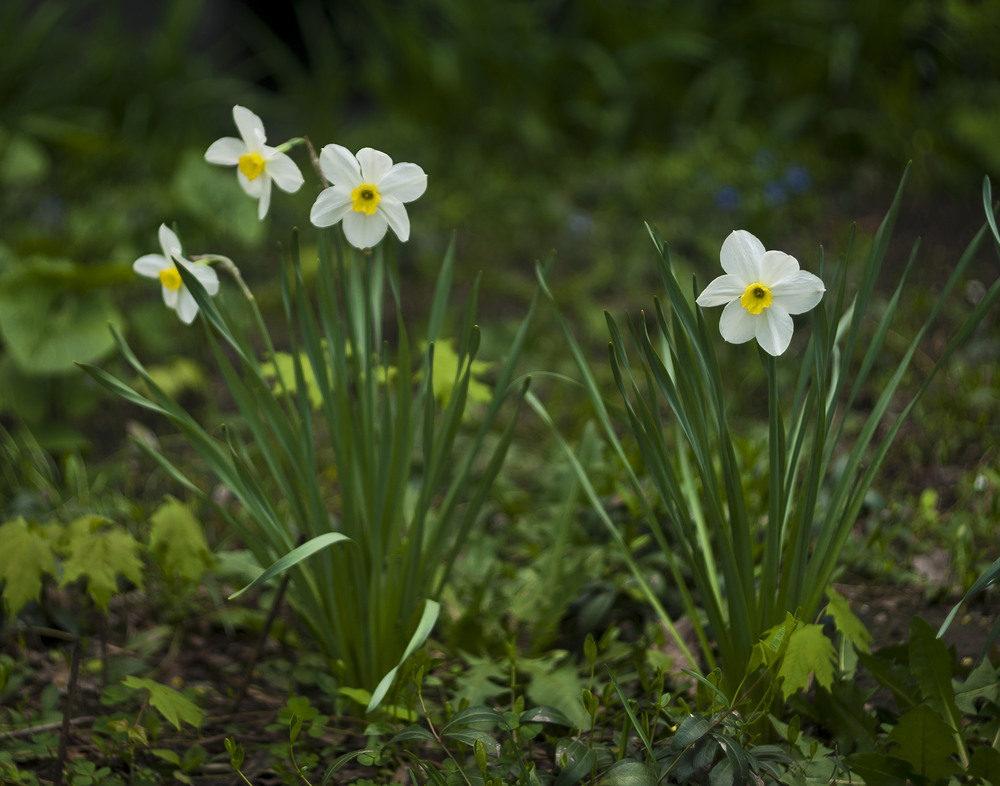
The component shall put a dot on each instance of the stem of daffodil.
(284, 147)
(230, 267)
(775, 502)
(315, 162)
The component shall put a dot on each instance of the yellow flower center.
(756, 297)
(170, 278)
(251, 165)
(365, 198)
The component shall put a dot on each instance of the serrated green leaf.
(983, 682)
(985, 764)
(809, 652)
(926, 741)
(25, 557)
(171, 704)
(847, 623)
(877, 769)
(177, 542)
(931, 664)
(100, 551)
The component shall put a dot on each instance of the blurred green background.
(543, 125)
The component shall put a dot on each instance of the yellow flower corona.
(365, 199)
(251, 165)
(756, 297)
(170, 278)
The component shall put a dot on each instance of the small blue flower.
(775, 194)
(728, 198)
(798, 179)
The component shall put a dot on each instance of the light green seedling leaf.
(809, 652)
(847, 623)
(294, 557)
(25, 557)
(283, 367)
(926, 741)
(446, 374)
(101, 551)
(177, 542)
(179, 375)
(171, 704)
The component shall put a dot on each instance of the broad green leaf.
(926, 741)
(847, 623)
(101, 551)
(180, 375)
(177, 542)
(629, 772)
(171, 704)
(50, 320)
(473, 715)
(577, 763)
(25, 557)
(809, 652)
(212, 195)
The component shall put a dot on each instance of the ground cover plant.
(380, 518)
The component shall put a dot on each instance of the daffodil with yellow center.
(165, 268)
(761, 290)
(367, 193)
(257, 164)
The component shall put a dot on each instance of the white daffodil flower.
(761, 290)
(256, 164)
(367, 193)
(164, 267)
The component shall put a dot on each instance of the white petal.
(395, 214)
(740, 256)
(374, 165)
(283, 171)
(737, 325)
(406, 182)
(150, 265)
(187, 308)
(169, 242)
(340, 166)
(776, 266)
(206, 276)
(170, 296)
(774, 330)
(226, 151)
(800, 293)
(721, 290)
(330, 206)
(364, 231)
(253, 187)
(251, 128)
(265, 196)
